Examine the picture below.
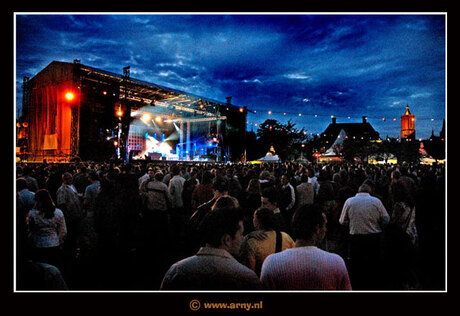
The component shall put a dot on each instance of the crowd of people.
(157, 225)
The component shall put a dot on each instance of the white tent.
(271, 158)
(337, 144)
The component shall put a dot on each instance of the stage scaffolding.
(95, 122)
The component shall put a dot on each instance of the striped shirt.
(305, 268)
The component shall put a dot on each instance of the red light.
(241, 110)
(69, 96)
(316, 155)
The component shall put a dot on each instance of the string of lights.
(384, 118)
(258, 117)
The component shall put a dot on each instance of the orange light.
(69, 96)
(146, 118)
(241, 110)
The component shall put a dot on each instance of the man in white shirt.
(306, 267)
(214, 266)
(178, 217)
(176, 186)
(365, 217)
(313, 180)
(68, 200)
(287, 201)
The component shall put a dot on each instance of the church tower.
(407, 125)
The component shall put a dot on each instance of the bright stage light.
(145, 118)
(164, 148)
(158, 119)
(69, 96)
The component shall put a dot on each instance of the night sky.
(346, 65)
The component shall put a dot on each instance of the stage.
(78, 111)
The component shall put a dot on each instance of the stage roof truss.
(151, 91)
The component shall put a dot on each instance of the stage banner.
(50, 142)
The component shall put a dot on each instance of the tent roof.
(338, 141)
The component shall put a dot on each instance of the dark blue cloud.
(327, 64)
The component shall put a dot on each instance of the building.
(74, 110)
(333, 137)
(407, 125)
(358, 131)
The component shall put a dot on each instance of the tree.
(285, 138)
(409, 151)
(435, 147)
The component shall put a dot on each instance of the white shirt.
(305, 268)
(315, 184)
(291, 189)
(46, 232)
(176, 186)
(364, 214)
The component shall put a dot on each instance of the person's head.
(365, 188)
(304, 178)
(193, 173)
(269, 198)
(67, 178)
(220, 184)
(207, 177)
(284, 179)
(44, 203)
(265, 175)
(83, 168)
(225, 202)
(158, 176)
(310, 172)
(93, 176)
(253, 186)
(223, 228)
(309, 224)
(371, 184)
(343, 177)
(175, 170)
(336, 178)
(21, 184)
(151, 172)
(229, 172)
(264, 219)
(399, 192)
(323, 175)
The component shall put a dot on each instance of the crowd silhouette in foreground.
(161, 226)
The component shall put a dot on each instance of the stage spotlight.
(69, 96)
(145, 118)
(158, 119)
